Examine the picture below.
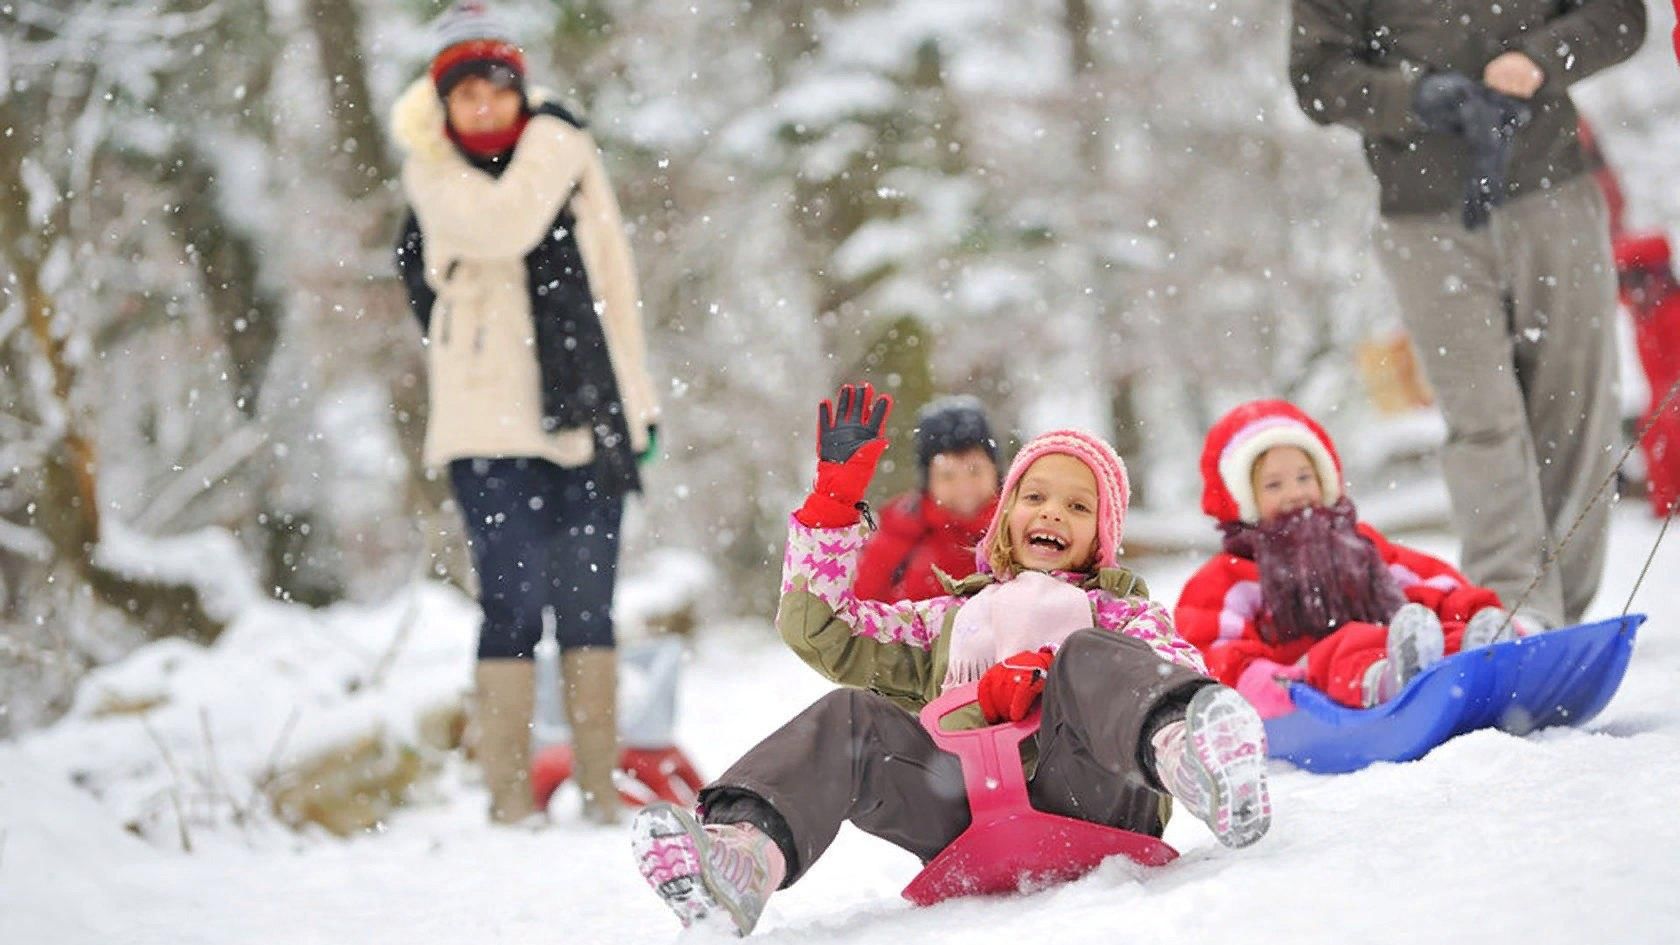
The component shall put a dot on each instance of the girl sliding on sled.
(1129, 713)
(1303, 590)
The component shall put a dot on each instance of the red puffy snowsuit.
(1656, 332)
(915, 536)
(1221, 610)
(1645, 273)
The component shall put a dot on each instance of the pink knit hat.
(1113, 489)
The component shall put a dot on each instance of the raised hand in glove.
(1452, 103)
(1009, 689)
(850, 440)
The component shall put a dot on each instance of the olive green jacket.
(900, 650)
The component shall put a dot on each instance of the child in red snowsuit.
(1651, 294)
(1305, 591)
(934, 530)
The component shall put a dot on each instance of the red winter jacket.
(1656, 332)
(1220, 608)
(915, 536)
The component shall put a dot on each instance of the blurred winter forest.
(1107, 213)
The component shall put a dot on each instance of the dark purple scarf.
(1316, 572)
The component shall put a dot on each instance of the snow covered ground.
(1564, 836)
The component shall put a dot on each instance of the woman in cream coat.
(541, 407)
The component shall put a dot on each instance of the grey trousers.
(854, 755)
(1514, 326)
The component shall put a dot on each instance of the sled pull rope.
(1672, 508)
(1552, 554)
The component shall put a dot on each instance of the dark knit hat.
(951, 425)
(472, 41)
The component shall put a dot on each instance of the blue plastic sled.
(1559, 678)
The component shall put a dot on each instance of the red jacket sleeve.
(1219, 613)
(1410, 566)
(1431, 581)
(887, 551)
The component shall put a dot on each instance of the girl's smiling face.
(1053, 518)
(1285, 480)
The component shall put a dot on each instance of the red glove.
(1426, 595)
(1462, 602)
(1009, 689)
(849, 444)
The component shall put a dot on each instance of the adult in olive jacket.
(1496, 242)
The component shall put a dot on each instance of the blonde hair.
(1000, 554)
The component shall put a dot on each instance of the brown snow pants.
(854, 755)
(1514, 323)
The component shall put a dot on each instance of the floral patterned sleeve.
(824, 563)
(1143, 619)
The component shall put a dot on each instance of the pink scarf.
(1031, 610)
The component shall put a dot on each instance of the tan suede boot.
(506, 693)
(590, 675)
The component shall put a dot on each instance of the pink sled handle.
(990, 756)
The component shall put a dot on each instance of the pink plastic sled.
(1008, 845)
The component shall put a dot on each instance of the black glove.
(850, 442)
(1438, 97)
(843, 429)
(1451, 103)
(1491, 121)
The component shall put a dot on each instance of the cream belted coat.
(485, 383)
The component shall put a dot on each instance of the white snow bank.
(209, 560)
(180, 737)
(179, 740)
(61, 854)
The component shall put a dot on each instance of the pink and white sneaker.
(1214, 762)
(714, 874)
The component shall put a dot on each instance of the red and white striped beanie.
(1237, 442)
(1114, 491)
(473, 40)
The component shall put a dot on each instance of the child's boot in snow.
(1380, 684)
(1488, 626)
(711, 873)
(1415, 642)
(1214, 762)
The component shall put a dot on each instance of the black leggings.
(541, 536)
